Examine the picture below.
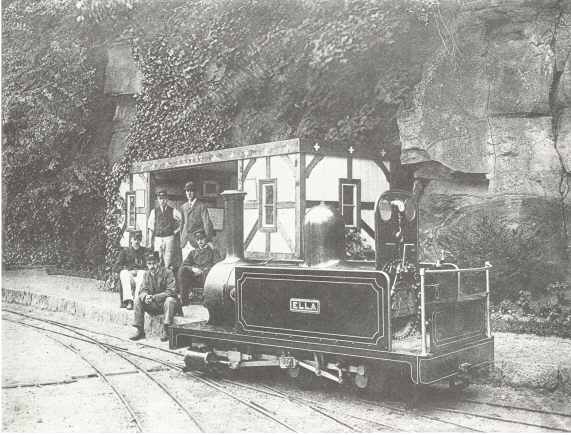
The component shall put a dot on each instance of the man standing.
(164, 223)
(157, 296)
(196, 266)
(195, 217)
(131, 268)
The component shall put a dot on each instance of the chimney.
(234, 225)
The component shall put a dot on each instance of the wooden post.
(422, 313)
(299, 204)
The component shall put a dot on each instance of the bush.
(356, 248)
(548, 315)
(516, 254)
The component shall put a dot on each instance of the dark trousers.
(169, 308)
(187, 280)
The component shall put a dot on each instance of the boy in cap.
(195, 217)
(196, 266)
(157, 296)
(131, 267)
(165, 222)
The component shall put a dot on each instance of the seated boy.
(196, 266)
(131, 268)
(156, 296)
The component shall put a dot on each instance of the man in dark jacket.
(156, 296)
(131, 267)
(196, 266)
(195, 217)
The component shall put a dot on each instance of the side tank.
(219, 285)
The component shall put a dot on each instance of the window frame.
(131, 210)
(262, 205)
(215, 184)
(356, 184)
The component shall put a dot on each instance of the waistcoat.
(164, 222)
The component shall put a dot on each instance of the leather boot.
(165, 333)
(138, 335)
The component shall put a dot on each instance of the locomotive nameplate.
(335, 306)
(310, 306)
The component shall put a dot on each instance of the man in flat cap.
(195, 217)
(196, 266)
(131, 267)
(157, 296)
(165, 223)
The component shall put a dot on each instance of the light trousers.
(166, 247)
(131, 281)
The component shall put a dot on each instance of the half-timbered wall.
(282, 172)
(292, 176)
(324, 174)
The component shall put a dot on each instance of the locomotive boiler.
(338, 319)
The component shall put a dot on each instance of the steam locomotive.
(341, 320)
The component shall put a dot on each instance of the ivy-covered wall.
(53, 177)
(229, 73)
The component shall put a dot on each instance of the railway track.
(215, 384)
(251, 404)
(221, 385)
(319, 408)
(480, 417)
(401, 411)
(259, 408)
(101, 374)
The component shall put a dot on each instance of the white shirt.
(175, 214)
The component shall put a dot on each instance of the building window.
(350, 201)
(210, 188)
(131, 211)
(268, 205)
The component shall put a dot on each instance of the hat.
(162, 194)
(199, 234)
(190, 186)
(137, 234)
(151, 256)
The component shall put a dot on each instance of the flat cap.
(199, 234)
(190, 186)
(162, 194)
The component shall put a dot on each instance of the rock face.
(488, 132)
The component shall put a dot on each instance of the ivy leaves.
(53, 190)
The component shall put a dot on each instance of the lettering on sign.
(310, 306)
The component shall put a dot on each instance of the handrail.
(466, 269)
(423, 271)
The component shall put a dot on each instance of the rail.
(424, 271)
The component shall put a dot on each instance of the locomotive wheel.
(361, 381)
(456, 383)
(302, 377)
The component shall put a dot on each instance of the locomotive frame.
(334, 318)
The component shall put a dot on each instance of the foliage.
(53, 186)
(356, 247)
(548, 314)
(514, 252)
(227, 73)
(215, 74)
